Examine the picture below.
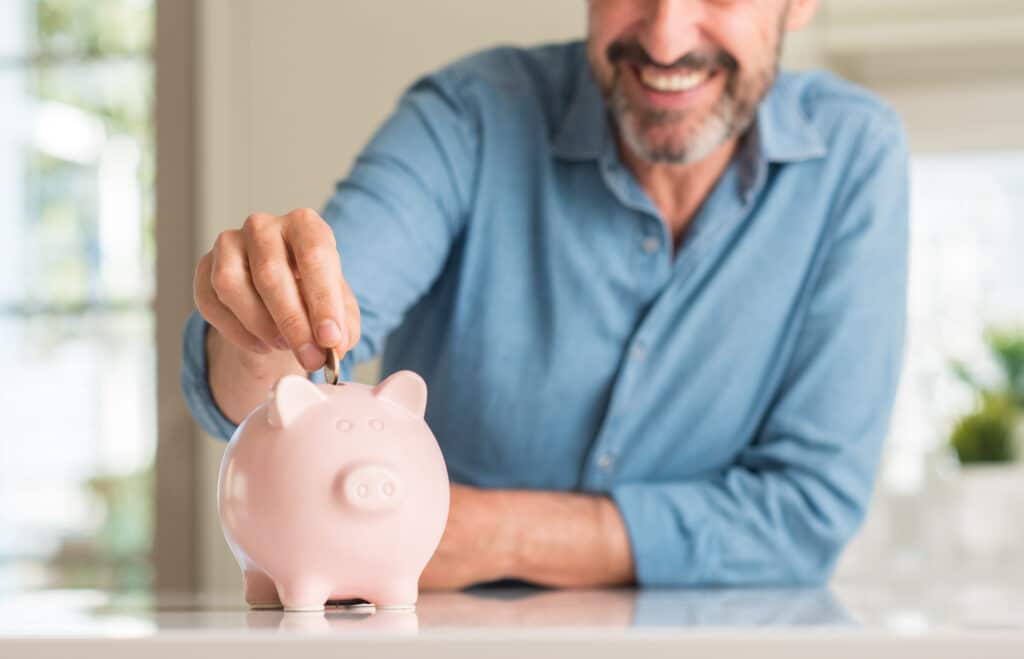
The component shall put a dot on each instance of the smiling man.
(655, 286)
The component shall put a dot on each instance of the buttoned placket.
(730, 203)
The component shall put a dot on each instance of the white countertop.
(898, 620)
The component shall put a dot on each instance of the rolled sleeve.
(664, 545)
(195, 381)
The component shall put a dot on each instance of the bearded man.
(656, 288)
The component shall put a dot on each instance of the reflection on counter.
(342, 620)
(900, 609)
(81, 612)
(538, 607)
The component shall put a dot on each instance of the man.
(656, 290)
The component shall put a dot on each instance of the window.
(76, 288)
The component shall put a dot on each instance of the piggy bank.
(334, 492)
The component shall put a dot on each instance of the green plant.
(1008, 348)
(988, 433)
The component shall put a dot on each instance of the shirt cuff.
(195, 381)
(666, 551)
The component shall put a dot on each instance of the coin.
(332, 367)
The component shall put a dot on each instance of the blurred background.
(133, 131)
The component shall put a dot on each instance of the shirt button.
(638, 353)
(605, 462)
(651, 244)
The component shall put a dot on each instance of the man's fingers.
(229, 276)
(218, 315)
(315, 253)
(275, 282)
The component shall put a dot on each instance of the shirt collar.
(783, 131)
(585, 129)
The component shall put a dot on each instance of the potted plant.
(988, 435)
(988, 442)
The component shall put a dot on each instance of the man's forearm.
(240, 379)
(566, 539)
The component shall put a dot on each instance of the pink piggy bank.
(334, 492)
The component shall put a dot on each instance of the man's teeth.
(676, 82)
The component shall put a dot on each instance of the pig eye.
(343, 425)
(376, 424)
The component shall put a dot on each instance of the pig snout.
(371, 488)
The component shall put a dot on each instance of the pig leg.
(303, 594)
(395, 594)
(260, 592)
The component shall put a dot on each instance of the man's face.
(681, 77)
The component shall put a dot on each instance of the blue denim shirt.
(732, 398)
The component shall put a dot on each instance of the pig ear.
(290, 397)
(405, 388)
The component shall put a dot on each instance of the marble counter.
(892, 620)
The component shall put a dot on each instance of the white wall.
(314, 78)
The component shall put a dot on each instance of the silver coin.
(332, 367)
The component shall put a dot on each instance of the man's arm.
(583, 542)
(552, 538)
(240, 379)
(390, 224)
(783, 511)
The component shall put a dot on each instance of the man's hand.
(277, 283)
(473, 548)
